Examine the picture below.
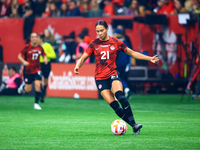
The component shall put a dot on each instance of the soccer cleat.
(136, 128)
(21, 88)
(127, 93)
(138, 132)
(37, 106)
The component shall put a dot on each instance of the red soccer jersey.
(32, 55)
(105, 53)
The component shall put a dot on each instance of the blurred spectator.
(64, 10)
(81, 2)
(127, 3)
(195, 9)
(160, 3)
(47, 10)
(48, 38)
(40, 6)
(15, 9)
(179, 5)
(68, 3)
(4, 8)
(167, 8)
(108, 9)
(29, 22)
(126, 37)
(58, 3)
(85, 11)
(81, 48)
(95, 11)
(87, 38)
(119, 7)
(54, 11)
(123, 62)
(133, 9)
(12, 83)
(118, 2)
(27, 4)
(71, 46)
(73, 10)
(188, 4)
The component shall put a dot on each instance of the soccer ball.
(118, 127)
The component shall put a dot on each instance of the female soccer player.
(29, 56)
(106, 49)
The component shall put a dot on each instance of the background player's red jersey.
(105, 53)
(32, 55)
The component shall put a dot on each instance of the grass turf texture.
(85, 124)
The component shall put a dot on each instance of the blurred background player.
(12, 84)
(45, 68)
(123, 63)
(81, 48)
(29, 56)
(106, 49)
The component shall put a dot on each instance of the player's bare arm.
(45, 59)
(137, 55)
(77, 56)
(25, 63)
(80, 62)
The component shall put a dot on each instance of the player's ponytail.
(103, 23)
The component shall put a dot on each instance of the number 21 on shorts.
(104, 56)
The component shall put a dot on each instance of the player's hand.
(26, 63)
(73, 56)
(154, 59)
(45, 60)
(76, 70)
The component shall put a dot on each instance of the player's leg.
(37, 78)
(26, 85)
(117, 88)
(109, 98)
(45, 71)
(104, 89)
(37, 94)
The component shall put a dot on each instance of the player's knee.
(37, 87)
(28, 89)
(120, 96)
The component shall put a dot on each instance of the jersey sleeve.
(90, 49)
(122, 46)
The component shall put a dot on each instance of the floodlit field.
(85, 124)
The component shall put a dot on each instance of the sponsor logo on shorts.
(26, 80)
(100, 86)
(114, 77)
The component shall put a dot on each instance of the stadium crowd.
(94, 8)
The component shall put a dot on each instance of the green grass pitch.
(85, 124)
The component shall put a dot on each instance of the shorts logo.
(100, 86)
(112, 48)
(26, 80)
(114, 77)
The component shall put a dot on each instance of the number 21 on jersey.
(105, 54)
